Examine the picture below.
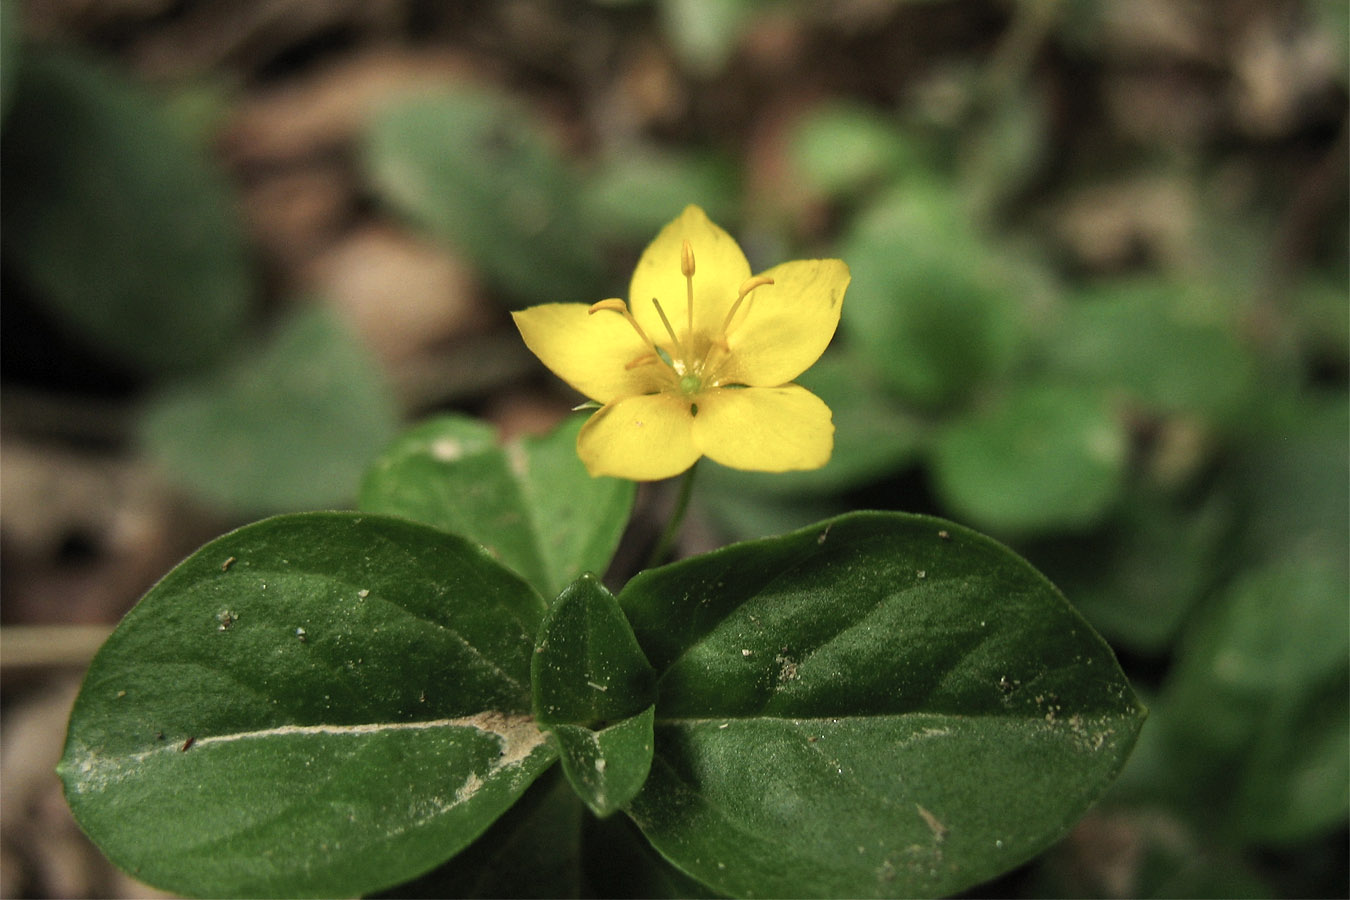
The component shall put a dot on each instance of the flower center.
(691, 361)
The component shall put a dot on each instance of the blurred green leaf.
(1255, 711)
(314, 705)
(929, 303)
(1044, 457)
(1138, 577)
(704, 33)
(290, 425)
(1289, 474)
(475, 169)
(117, 221)
(880, 705)
(843, 148)
(1160, 345)
(531, 502)
(1118, 852)
(632, 194)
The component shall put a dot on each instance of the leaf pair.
(334, 703)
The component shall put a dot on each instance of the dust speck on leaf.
(934, 825)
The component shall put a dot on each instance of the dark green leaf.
(587, 668)
(476, 170)
(533, 850)
(118, 221)
(1046, 457)
(607, 766)
(315, 705)
(531, 502)
(291, 426)
(882, 705)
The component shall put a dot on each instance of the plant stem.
(662, 548)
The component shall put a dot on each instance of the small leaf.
(587, 672)
(531, 502)
(291, 426)
(607, 766)
(587, 667)
(319, 704)
(1047, 457)
(881, 705)
(477, 171)
(844, 149)
(117, 221)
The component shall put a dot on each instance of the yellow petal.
(782, 328)
(590, 352)
(719, 269)
(764, 429)
(640, 438)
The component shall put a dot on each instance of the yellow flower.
(702, 361)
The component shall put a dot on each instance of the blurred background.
(1099, 310)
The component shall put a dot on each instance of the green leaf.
(1156, 342)
(607, 766)
(290, 426)
(117, 221)
(881, 705)
(531, 503)
(588, 672)
(477, 171)
(318, 704)
(1046, 457)
(587, 667)
(533, 850)
(929, 303)
(1255, 709)
(635, 191)
(842, 149)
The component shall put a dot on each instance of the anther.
(618, 306)
(746, 287)
(687, 268)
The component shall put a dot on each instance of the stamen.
(666, 322)
(616, 305)
(687, 268)
(746, 287)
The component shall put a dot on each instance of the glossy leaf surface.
(314, 705)
(881, 705)
(530, 502)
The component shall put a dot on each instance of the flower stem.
(662, 548)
